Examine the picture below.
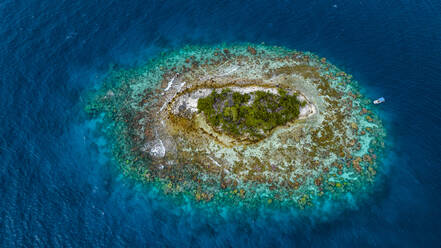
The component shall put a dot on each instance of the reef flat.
(245, 125)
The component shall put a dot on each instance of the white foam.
(170, 83)
(157, 148)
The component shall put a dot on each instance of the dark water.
(58, 189)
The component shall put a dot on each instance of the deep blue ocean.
(58, 189)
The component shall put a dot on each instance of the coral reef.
(243, 124)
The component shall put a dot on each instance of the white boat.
(379, 100)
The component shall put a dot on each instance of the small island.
(252, 115)
(247, 125)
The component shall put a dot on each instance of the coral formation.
(247, 124)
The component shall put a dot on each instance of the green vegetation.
(235, 114)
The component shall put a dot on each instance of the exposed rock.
(156, 148)
(354, 126)
(352, 142)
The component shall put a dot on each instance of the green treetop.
(254, 114)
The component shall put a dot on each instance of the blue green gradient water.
(58, 187)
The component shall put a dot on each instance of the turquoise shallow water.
(127, 124)
(59, 188)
